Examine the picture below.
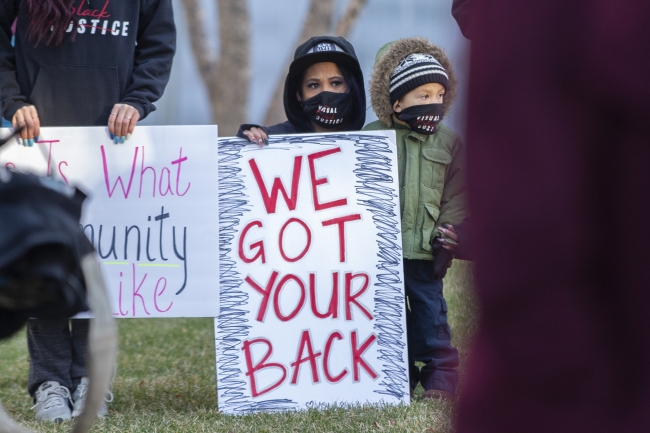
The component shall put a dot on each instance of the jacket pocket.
(431, 215)
(66, 95)
(433, 167)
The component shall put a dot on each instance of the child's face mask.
(422, 118)
(328, 109)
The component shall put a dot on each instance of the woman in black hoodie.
(78, 63)
(323, 91)
(83, 62)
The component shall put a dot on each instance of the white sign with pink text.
(151, 212)
(312, 309)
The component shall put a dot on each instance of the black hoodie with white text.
(115, 51)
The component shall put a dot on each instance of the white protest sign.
(151, 214)
(312, 297)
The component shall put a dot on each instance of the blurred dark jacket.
(463, 12)
(558, 155)
(125, 59)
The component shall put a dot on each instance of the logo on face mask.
(327, 116)
(426, 123)
(328, 109)
(422, 118)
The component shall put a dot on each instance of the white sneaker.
(52, 402)
(79, 399)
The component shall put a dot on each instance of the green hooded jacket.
(431, 167)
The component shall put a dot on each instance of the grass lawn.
(166, 382)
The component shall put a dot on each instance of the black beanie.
(413, 71)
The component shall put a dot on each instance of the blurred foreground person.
(48, 270)
(68, 68)
(558, 155)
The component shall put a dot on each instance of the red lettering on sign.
(326, 359)
(332, 310)
(307, 354)
(322, 181)
(341, 223)
(281, 240)
(266, 294)
(270, 201)
(259, 245)
(357, 356)
(252, 368)
(352, 298)
(276, 298)
(305, 344)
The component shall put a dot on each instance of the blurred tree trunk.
(318, 23)
(350, 17)
(225, 75)
(319, 20)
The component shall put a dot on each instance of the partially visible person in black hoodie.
(78, 63)
(323, 91)
(464, 11)
(84, 62)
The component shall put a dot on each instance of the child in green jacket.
(412, 87)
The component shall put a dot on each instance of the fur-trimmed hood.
(388, 57)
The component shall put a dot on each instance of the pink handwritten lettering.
(87, 12)
(156, 295)
(125, 191)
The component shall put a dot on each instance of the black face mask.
(328, 109)
(422, 118)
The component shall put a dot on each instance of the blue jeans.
(428, 333)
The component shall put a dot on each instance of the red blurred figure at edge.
(559, 171)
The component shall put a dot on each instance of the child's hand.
(450, 241)
(257, 135)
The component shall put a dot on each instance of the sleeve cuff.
(138, 107)
(248, 126)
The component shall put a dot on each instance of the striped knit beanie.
(413, 71)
